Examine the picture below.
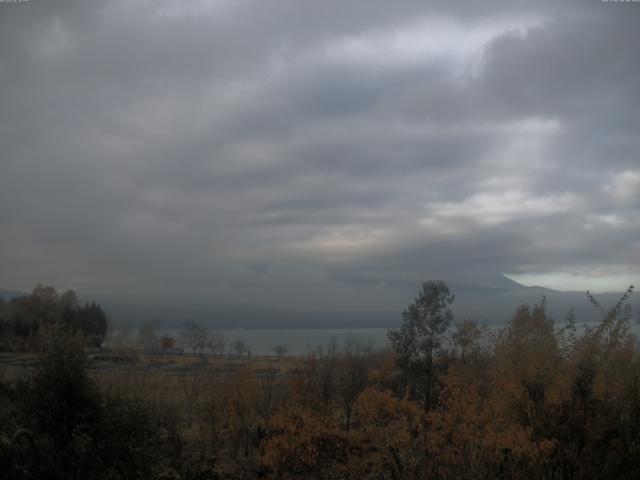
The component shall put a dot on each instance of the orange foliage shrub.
(389, 441)
(167, 342)
(301, 442)
(533, 404)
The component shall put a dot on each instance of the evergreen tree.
(420, 338)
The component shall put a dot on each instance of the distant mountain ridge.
(488, 305)
(7, 295)
(492, 302)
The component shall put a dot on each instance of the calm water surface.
(303, 341)
(297, 341)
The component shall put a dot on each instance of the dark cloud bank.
(317, 161)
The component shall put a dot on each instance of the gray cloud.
(331, 154)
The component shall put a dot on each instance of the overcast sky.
(321, 153)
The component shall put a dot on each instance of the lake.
(303, 341)
(297, 341)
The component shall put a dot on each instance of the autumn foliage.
(532, 400)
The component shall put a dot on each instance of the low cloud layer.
(325, 155)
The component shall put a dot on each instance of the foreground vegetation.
(448, 402)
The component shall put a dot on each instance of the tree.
(62, 396)
(78, 431)
(466, 339)
(40, 309)
(323, 370)
(390, 440)
(352, 378)
(147, 337)
(240, 347)
(46, 309)
(167, 342)
(93, 323)
(195, 335)
(420, 338)
(70, 309)
(304, 444)
(218, 343)
(5, 327)
(279, 350)
(121, 338)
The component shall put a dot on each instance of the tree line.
(447, 401)
(24, 321)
